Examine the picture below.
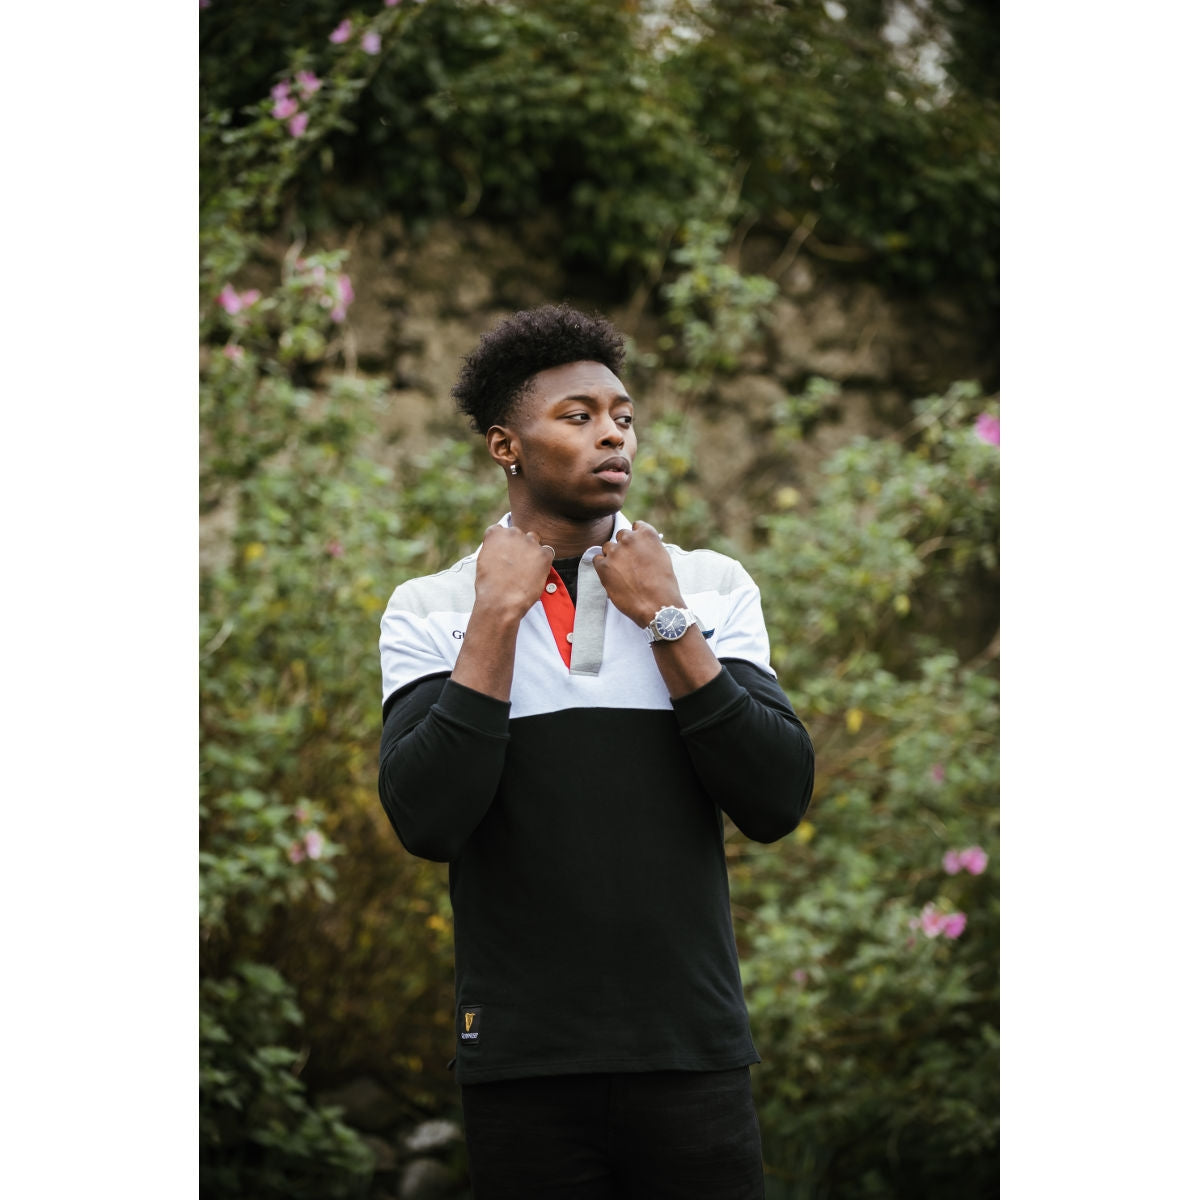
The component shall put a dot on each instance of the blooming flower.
(801, 977)
(308, 83)
(370, 42)
(298, 124)
(931, 921)
(390, 3)
(296, 852)
(934, 924)
(313, 843)
(937, 772)
(953, 924)
(973, 859)
(285, 107)
(281, 90)
(229, 300)
(235, 353)
(987, 428)
(345, 291)
(341, 33)
(335, 549)
(232, 303)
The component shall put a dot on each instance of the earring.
(514, 469)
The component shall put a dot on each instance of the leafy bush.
(279, 463)
(629, 120)
(875, 1007)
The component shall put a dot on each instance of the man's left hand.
(637, 574)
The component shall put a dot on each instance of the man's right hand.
(510, 571)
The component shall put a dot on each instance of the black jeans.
(687, 1134)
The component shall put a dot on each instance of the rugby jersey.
(582, 819)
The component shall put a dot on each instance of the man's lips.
(613, 470)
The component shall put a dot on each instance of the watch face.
(670, 623)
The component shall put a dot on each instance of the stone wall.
(422, 302)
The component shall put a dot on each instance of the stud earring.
(514, 469)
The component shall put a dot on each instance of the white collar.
(622, 522)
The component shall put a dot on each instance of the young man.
(567, 714)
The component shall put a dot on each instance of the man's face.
(575, 441)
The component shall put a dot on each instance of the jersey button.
(552, 587)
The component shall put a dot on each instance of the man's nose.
(610, 433)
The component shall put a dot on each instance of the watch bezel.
(655, 631)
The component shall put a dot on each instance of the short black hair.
(496, 374)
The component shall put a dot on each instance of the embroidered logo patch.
(468, 1029)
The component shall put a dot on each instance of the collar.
(622, 522)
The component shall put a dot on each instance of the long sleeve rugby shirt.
(582, 820)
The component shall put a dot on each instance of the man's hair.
(496, 375)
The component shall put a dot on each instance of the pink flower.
(937, 772)
(345, 288)
(298, 124)
(801, 977)
(234, 353)
(281, 90)
(933, 924)
(390, 3)
(335, 549)
(229, 300)
(286, 107)
(206, 3)
(341, 33)
(300, 813)
(931, 921)
(954, 924)
(253, 296)
(296, 852)
(973, 859)
(987, 428)
(313, 843)
(370, 42)
(308, 83)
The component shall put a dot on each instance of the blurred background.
(791, 209)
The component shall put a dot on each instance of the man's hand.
(510, 571)
(637, 574)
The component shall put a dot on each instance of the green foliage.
(717, 310)
(280, 462)
(627, 121)
(840, 144)
(880, 1043)
(260, 1137)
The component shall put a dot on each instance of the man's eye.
(579, 417)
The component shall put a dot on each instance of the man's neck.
(569, 538)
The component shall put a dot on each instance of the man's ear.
(504, 445)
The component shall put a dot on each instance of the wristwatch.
(669, 624)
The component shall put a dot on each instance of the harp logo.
(471, 1020)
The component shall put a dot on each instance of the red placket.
(560, 612)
